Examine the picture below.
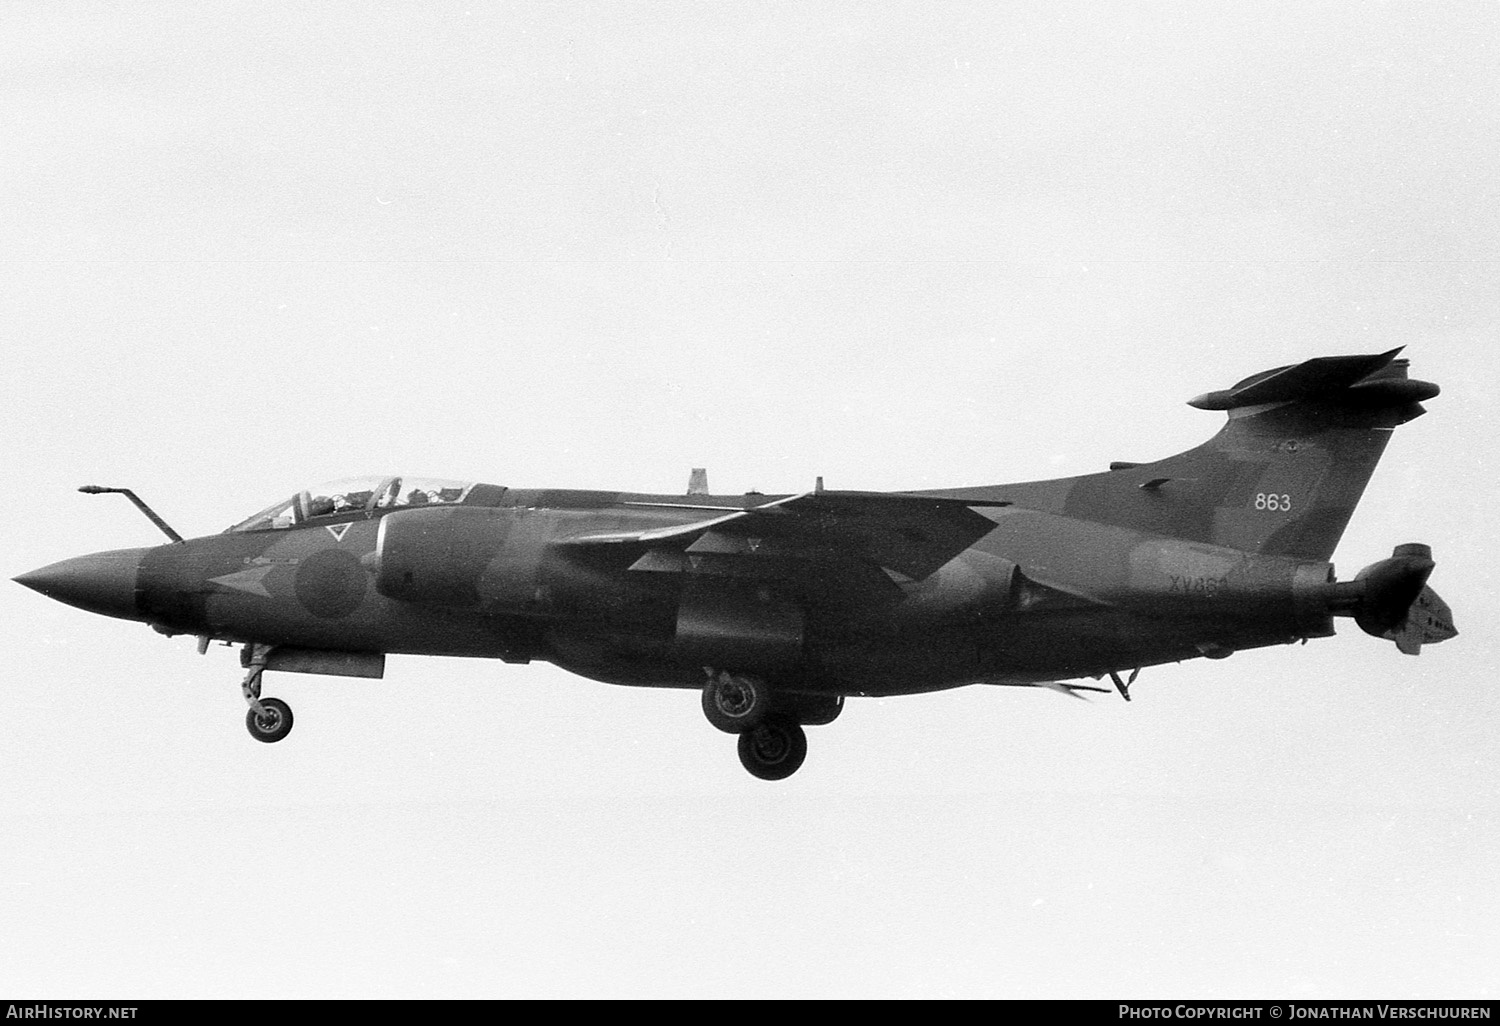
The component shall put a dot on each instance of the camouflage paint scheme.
(830, 593)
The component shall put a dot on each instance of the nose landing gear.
(268, 719)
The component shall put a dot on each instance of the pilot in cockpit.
(351, 501)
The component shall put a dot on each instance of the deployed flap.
(1062, 687)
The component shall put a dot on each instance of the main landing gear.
(735, 702)
(268, 719)
(774, 748)
(772, 743)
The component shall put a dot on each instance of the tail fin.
(1284, 475)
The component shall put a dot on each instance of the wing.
(862, 544)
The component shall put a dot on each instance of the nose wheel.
(272, 724)
(268, 719)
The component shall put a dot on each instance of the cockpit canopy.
(353, 494)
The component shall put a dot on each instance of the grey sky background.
(251, 247)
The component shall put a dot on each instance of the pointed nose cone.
(103, 583)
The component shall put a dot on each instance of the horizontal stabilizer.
(1352, 378)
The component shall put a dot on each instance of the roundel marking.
(330, 583)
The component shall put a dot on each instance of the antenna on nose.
(158, 521)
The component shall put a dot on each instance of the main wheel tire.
(734, 704)
(275, 725)
(774, 749)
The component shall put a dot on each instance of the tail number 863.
(1273, 502)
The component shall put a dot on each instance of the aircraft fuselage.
(1039, 597)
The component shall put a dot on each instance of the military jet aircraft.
(779, 607)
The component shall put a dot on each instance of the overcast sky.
(250, 247)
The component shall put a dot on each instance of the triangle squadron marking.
(250, 581)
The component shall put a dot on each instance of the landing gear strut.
(268, 719)
(773, 749)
